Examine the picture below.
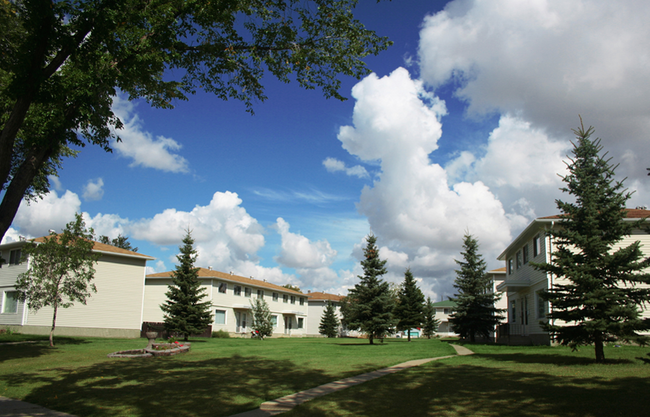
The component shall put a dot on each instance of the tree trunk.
(408, 332)
(56, 307)
(370, 338)
(598, 345)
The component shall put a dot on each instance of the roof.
(318, 296)
(210, 273)
(446, 303)
(631, 215)
(104, 248)
(498, 271)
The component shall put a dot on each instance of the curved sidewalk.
(284, 404)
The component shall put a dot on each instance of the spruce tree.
(475, 312)
(409, 310)
(370, 307)
(596, 296)
(430, 325)
(185, 313)
(261, 318)
(329, 324)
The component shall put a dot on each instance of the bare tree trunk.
(598, 344)
(408, 332)
(56, 307)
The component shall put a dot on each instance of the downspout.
(550, 276)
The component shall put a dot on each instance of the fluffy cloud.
(546, 62)
(140, 146)
(35, 218)
(94, 191)
(334, 165)
(298, 252)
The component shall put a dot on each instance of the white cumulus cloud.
(94, 190)
(299, 252)
(334, 165)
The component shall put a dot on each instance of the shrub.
(221, 334)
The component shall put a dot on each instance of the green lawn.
(219, 377)
(503, 381)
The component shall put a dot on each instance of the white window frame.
(225, 316)
(5, 297)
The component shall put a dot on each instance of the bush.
(221, 334)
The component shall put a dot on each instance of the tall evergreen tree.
(261, 318)
(185, 313)
(409, 310)
(597, 297)
(430, 325)
(329, 324)
(371, 306)
(475, 312)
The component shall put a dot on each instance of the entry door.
(287, 325)
(238, 322)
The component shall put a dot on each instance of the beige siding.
(116, 305)
(316, 310)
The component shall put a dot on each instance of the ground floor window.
(220, 317)
(541, 306)
(10, 302)
(300, 322)
(513, 311)
(274, 321)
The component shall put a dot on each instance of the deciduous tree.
(119, 242)
(329, 323)
(185, 312)
(61, 270)
(409, 310)
(475, 312)
(62, 62)
(597, 296)
(372, 308)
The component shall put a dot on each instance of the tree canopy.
(596, 296)
(475, 312)
(61, 270)
(430, 325)
(329, 323)
(62, 62)
(409, 310)
(119, 242)
(261, 318)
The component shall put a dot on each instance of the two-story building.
(231, 297)
(524, 283)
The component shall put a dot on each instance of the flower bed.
(156, 349)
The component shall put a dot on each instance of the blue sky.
(462, 127)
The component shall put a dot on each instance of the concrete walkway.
(284, 404)
(15, 408)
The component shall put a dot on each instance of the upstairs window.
(519, 260)
(14, 257)
(237, 290)
(302, 301)
(293, 299)
(525, 254)
(223, 287)
(285, 298)
(275, 296)
(247, 292)
(511, 264)
(537, 245)
(260, 294)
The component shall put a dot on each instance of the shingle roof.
(102, 247)
(210, 273)
(446, 303)
(498, 270)
(324, 296)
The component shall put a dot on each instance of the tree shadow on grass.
(34, 350)
(469, 390)
(555, 359)
(166, 386)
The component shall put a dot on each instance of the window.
(302, 301)
(293, 299)
(513, 311)
(223, 287)
(445, 311)
(274, 321)
(285, 297)
(10, 302)
(537, 245)
(275, 296)
(220, 317)
(260, 294)
(525, 253)
(541, 306)
(237, 290)
(510, 266)
(300, 322)
(518, 259)
(14, 257)
(247, 292)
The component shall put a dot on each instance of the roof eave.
(515, 243)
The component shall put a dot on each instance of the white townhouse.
(443, 311)
(317, 302)
(115, 310)
(523, 283)
(231, 296)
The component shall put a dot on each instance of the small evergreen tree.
(475, 312)
(430, 326)
(262, 323)
(61, 269)
(372, 308)
(597, 296)
(329, 324)
(185, 313)
(410, 306)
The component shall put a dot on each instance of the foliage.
(475, 312)
(409, 310)
(220, 334)
(430, 323)
(119, 242)
(185, 313)
(598, 297)
(61, 269)
(370, 305)
(62, 62)
(329, 323)
(292, 287)
(261, 318)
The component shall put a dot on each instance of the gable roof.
(103, 248)
(323, 296)
(210, 273)
(445, 303)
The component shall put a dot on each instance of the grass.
(219, 377)
(503, 381)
